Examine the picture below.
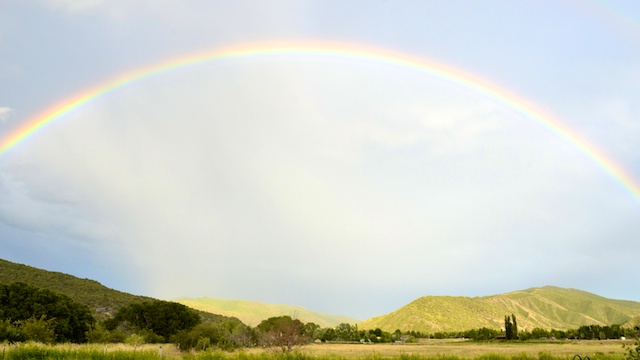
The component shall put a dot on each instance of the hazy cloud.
(74, 6)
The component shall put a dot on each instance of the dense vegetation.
(162, 318)
(30, 313)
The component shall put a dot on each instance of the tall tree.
(510, 327)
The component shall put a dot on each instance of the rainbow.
(339, 50)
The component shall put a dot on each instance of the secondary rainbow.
(340, 50)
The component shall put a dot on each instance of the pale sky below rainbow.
(332, 49)
(291, 146)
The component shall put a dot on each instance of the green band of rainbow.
(351, 51)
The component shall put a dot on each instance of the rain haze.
(346, 184)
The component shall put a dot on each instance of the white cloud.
(5, 113)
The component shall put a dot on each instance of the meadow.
(425, 350)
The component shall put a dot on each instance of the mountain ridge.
(548, 307)
(253, 312)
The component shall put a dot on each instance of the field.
(470, 350)
(426, 350)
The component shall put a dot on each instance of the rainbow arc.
(333, 49)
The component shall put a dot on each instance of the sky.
(349, 185)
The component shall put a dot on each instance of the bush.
(39, 330)
(10, 332)
(633, 351)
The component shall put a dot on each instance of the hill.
(546, 307)
(85, 291)
(99, 298)
(252, 313)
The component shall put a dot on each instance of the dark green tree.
(164, 318)
(41, 310)
(346, 332)
(228, 334)
(481, 334)
(328, 334)
(510, 327)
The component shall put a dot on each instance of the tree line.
(511, 332)
(30, 313)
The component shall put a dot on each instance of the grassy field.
(471, 350)
(426, 350)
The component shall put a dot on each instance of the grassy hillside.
(89, 292)
(547, 307)
(85, 291)
(252, 313)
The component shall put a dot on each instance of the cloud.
(74, 6)
(5, 113)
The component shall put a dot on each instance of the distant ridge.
(546, 307)
(252, 313)
(85, 291)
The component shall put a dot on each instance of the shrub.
(633, 351)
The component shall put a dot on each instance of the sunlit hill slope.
(546, 307)
(252, 313)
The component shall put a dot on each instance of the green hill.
(85, 291)
(252, 313)
(99, 298)
(547, 307)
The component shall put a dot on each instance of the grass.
(427, 350)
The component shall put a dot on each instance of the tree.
(70, 321)
(310, 330)
(346, 332)
(228, 334)
(328, 334)
(99, 335)
(164, 318)
(480, 334)
(511, 327)
(283, 333)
